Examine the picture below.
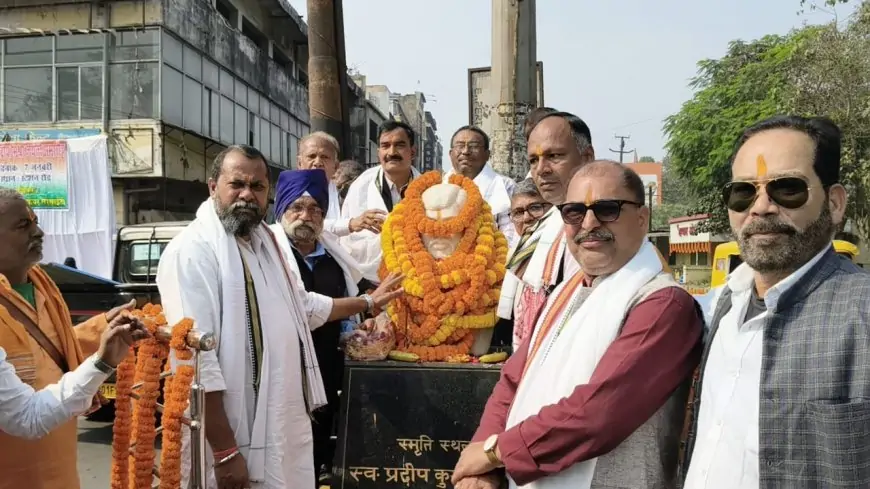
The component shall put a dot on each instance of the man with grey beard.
(315, 256)
(226, 270)
(781, 396)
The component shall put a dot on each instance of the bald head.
(608, 169)
(10, 194)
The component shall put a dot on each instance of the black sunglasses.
(786, 192)
(604, 210)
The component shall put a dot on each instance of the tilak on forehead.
(760, 167)
(588, 200)
(539, 152)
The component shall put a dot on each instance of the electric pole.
(621, 151)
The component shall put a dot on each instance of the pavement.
(95, 454)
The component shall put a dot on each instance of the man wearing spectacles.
(469, 153)
(781, 396)
(595, 397)
(559, 143)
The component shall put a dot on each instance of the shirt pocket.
(838, 442)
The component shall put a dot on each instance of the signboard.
(46, 134)
(482, 99)
(404, 425)
(687, 232)
(38, 170)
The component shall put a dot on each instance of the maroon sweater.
(656, 351)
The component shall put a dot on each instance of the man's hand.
(488, 481)
(233, 474)
(122, 333)
(473, 461)
(388, 290)
(370, 220)
(96, 403)
(113, 313)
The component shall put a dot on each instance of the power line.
(621, 151)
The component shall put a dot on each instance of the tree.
(676, 197)
(646, 159)
(731, 93)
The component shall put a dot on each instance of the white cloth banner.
(86, 230)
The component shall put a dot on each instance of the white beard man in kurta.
(469, 154)
(226, 271)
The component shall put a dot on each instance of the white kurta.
(533, 276)
(496, 190)
(333, 222)
(273, 432)
(363, 195)
(725, 455)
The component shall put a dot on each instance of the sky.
(621, 65)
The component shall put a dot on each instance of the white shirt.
(30, 414)
(725, 455)
(333, 222)
(496, 190)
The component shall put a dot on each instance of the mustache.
(243, 206)
(594, 235)
(767, 226)
(37, 243)
(394, 158)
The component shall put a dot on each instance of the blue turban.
(293, 184)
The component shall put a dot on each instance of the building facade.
(432, 149)
(170, 82)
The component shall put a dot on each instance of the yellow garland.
(444, 299)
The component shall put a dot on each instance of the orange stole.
(50, 462)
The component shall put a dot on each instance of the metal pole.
(197, 427)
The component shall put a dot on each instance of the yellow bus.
(726, 258)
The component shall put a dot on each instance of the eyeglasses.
(786, 192)
(535, 210)
(604, 210)
(313, 210)
(471, 147)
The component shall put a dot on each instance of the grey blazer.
(814, 412)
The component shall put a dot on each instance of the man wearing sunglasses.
(781, 397)
(559, 143)
(595, 398)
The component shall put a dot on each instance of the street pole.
(514, 81)
(326, 94)
(651, 188)
(622, 151)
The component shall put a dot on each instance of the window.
(172, 98)
(276, 143)
(28, 94)
(206, 113)
(68, 94)
(193, 105)
(242, 116)
(85, 48)
(172, 48)
(134, 90)
(192, 63)
(134, 45)
(25, 51)
(226, 125)
(143, 254)
(226, 83)
(210, 74)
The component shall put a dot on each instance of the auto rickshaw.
(726, 258)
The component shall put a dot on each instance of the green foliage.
(731, 93)
(646, 159)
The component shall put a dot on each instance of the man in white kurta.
(379, 188)
(227, 272)
(319, 150)
(469, 153)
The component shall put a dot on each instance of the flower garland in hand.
(445, 299)
(177, 397)
(135, 422)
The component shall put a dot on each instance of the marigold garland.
(444, 299)
(135, 422)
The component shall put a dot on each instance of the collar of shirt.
(743, 279)
(393, 186)
(311, 258)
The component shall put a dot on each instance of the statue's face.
(443, 201)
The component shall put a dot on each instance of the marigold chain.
(138, 389)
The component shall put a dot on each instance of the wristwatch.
(489, 447)
(102, 366)
(370, 303)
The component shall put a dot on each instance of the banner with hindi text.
(38, 170)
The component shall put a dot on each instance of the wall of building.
(650, 173)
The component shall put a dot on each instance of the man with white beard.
(226, 270)
(302, 199)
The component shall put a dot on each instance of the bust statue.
(443, 239)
